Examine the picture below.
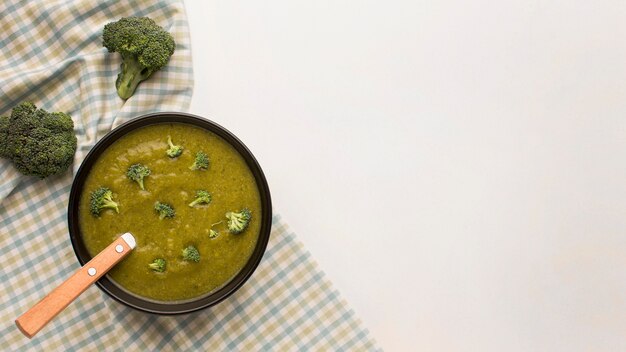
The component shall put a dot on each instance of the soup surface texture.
(230, 183)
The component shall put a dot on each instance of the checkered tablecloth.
(52, 55)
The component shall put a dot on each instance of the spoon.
(43, 312)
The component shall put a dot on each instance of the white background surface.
(458, 168)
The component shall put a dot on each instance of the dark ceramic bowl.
(175, 307)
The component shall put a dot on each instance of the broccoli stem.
(131, 75)
(111, 205)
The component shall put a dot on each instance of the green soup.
(230, 183)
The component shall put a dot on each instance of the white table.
(458, 168)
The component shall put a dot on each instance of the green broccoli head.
(201, 162)
(39, 143)
(191, 254)
(238, 221)
(164, 210)
(145, 48)
(4, 137)
(213, 233)
(202, 197)
(158, 265)
(102, 198)
(137, 173)
(174, 150)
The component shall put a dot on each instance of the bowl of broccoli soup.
(192, 195)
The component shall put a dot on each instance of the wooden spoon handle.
(43, 312)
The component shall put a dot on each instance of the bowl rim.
(123, 296)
